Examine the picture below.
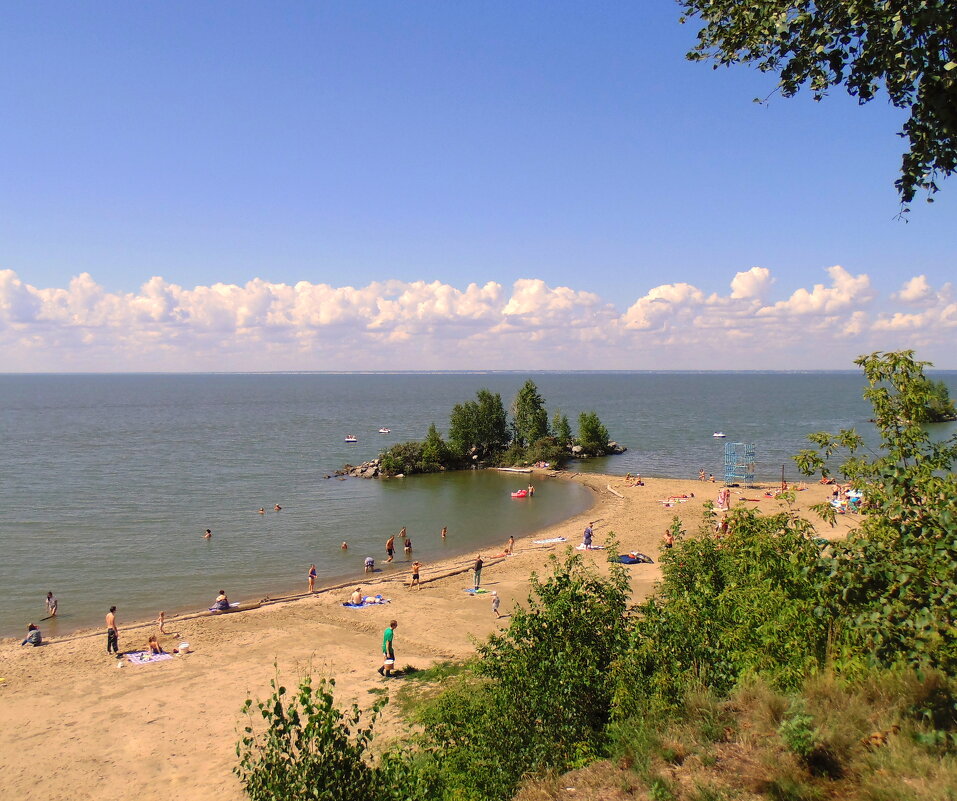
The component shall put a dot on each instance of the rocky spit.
(371, 469)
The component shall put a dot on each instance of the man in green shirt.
(388, 653)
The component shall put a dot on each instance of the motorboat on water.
(351, 438)
(520, 494)
(385, 430)
(719, 435)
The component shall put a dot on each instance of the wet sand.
(77, 725)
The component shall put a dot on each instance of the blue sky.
(393, 145)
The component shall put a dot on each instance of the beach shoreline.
(171, 727)
(288, 593)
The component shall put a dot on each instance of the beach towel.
(369, 600)
(637, 559)
(473, 591)
(145, 657)
(548, 541)
(592, 548)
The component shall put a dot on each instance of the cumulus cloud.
(435, 325)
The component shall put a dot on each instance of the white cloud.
(846, 291)
(755, 283)
(917, 290)
(434, 325)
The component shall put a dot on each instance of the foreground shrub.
(542, 695)
(309, 749)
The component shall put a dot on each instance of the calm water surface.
(107, 482)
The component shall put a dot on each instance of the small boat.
(351, 438)
(385, 430)
(520, 494)
(719, 435)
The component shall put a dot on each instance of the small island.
(483, 434)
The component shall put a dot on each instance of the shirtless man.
(112, 640)
(356, 598)
(416, 566)
(390, 548)
(208, 535)
(445, 531)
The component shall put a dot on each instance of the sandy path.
(74, 724)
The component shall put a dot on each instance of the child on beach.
(312, 578)
(161, 621)
(496, 600)
(51, 604)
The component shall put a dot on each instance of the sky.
(432, 185)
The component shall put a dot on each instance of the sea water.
(107, 482)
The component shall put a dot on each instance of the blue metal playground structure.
(739, 463)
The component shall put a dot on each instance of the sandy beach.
(79, 723)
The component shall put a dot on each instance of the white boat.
(719, 435)
(385, 430)
(351, 438)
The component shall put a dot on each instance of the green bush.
(546, 684)
(309, 749)
(748, 602)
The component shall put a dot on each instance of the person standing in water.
(208, 535)
(445, 531)
(51, 604)
(390, 547)
(112, 636)
(312, 578)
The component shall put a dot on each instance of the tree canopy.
(529, 417)
(907, 46)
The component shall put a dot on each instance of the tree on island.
(479, 428)
(909, 46)
(529, 418)
(592, 434)
(563, 431)
(940, 408)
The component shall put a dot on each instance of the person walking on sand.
(312, 578)
(509, 546)
(388, 650)
(586, 537)
(477, 570)
(390, 548)
(112, 637)
(416, 566)
(51, 604)
(161, 621)
(496, 600)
